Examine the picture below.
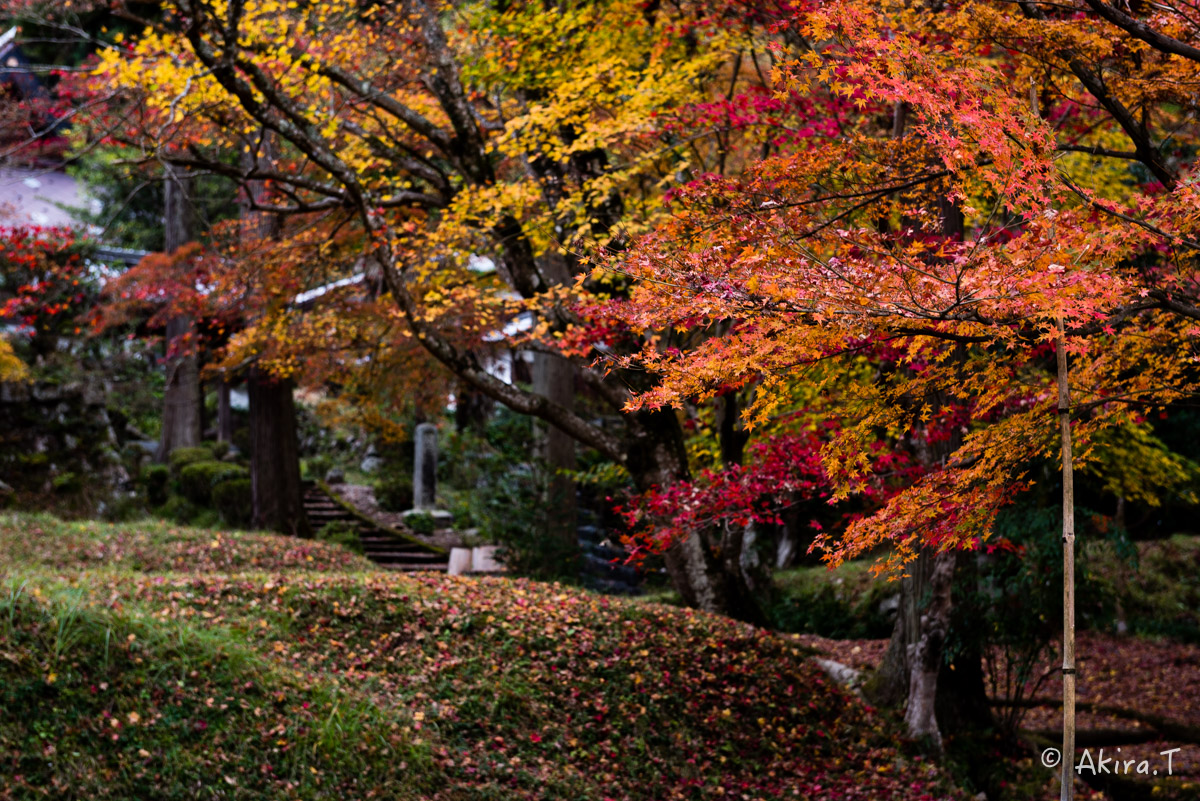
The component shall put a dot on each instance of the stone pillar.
(425, 468)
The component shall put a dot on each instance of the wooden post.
(1068, 665)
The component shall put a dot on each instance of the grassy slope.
(149, 661)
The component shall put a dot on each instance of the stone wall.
(58, 449)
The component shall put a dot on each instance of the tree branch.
(1134, 27)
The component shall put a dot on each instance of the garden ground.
(153, 661)
(149, 660)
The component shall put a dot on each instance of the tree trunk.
(276, 494)
(940, 700)
(889, 685)
(705, 575)
(944, 697)
(731, 435)
(181, 425)
(707, 582)
(962, 704)
(925, 655)
(554, 378)
(275, 489)
(471, 408)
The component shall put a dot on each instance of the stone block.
(483, 560)
(460, 561)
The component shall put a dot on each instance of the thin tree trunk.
(181, 424)
(274, 456)
(1068, 666)
(554, 377)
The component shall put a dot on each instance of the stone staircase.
(384, 546)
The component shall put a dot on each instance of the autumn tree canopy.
(447, 139)
(1004, 170)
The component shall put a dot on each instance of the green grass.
(153, 661)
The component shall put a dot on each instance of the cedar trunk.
(554, 378)
(224, 412)
(274, 456)
(181, 395)
(276, 493)
(181, 425)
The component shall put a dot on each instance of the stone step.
(380, 547)
(408, 567)
(406, 556)
(376, 550)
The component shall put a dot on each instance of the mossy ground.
(154, 661)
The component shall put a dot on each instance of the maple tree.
(1006, 170)
(45, 285)
(518, 135)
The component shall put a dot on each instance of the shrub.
(340, 532)
(178, 510)
(827, 610)
(232, 499)
(394, 493)
(182, 457)
(196, 480)
(505, 488)
(317, 466)
(219, 449)
(458, 503)
(156, 479)
(421, 523)
(67, 483)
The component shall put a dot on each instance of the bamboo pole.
(1068, 665)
